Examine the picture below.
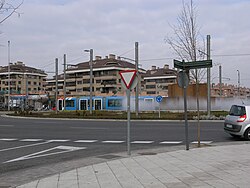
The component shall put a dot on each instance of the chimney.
(166, 66)
(98, 57)
(153, 67)
(111, 56)
(19, 63)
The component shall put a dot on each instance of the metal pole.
(220, 80)
(90, 81)
(128, 122)
(8, 75)
(56, 70)
(159, 110)
(208, 79)
(137, 86)
(185, 110)
(238, 82)
(26, 92)
(64, 80)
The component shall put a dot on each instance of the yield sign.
(128, 77)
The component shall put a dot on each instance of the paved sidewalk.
(220, 166)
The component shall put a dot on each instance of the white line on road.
(113, 141)
(202, 142)
(171, 142)
(25, 146)
(142, 142)
(58, 140)
(65, 149)
(8, 139)
(85, 141)
(30, 140)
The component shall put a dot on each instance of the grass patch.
(101, 114)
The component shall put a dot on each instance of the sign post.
(183, 81)
(129, 82)
(159, 99)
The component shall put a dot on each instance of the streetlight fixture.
(90, 51)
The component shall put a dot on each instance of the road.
(32, 148)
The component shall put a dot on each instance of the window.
(114, 102)
(150, 92)
(237, 110)
(70, 103)
(150, 86)
(35, 83)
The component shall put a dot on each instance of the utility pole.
(90, 79)
(56, 70)
(208, 79)
(137, 86)
(220, 80)
(8, 75)
(64, 80)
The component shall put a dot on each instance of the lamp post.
(8, 75)
(91, 77)
(238, 82)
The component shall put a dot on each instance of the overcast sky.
(47, 29)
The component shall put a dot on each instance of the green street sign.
(192, 65)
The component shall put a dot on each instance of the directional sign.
(128, 77)
(159, 98)
(193, 64)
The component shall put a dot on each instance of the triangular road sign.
(128, 77)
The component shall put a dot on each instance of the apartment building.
(157, 80)
(229, 90)
(24, 80)
(107, 81)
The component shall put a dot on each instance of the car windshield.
(237, 110)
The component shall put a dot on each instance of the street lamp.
(90, 81)
(238, 82)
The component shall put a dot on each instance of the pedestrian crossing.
(89, 141)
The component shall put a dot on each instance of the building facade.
(24, 81)
(107, 81)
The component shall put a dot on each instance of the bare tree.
(8, 8)
(187, 44)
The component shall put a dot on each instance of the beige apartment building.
(24, 81)
(107, 81)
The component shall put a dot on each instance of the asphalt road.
(32, 148)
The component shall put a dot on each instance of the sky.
(46, 29)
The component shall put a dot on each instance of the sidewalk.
(220, 166)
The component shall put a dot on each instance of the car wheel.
(247, 134)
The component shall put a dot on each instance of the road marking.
(142, 142)
(202, 142)
(85, 141)
(65, 149)
(8, 139)
(25, 146)
(112, 142)
(58, 140)
(171, 142)
(30, 140)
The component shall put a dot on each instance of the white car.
(237, 123)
